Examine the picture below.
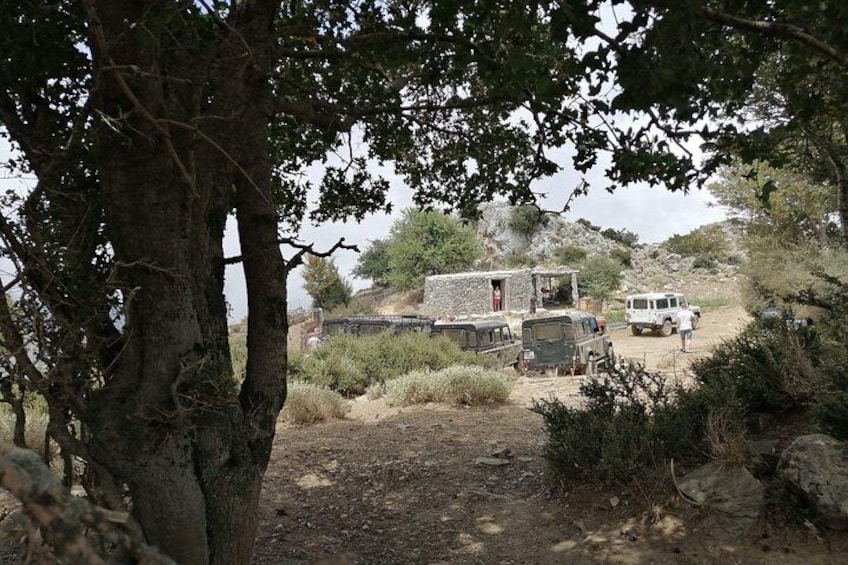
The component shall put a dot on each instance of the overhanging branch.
(778, 29)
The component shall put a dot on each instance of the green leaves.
(324, 284)
(428, 243)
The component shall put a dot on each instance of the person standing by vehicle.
(685, 319)
(496, 299)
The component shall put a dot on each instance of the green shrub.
(238, 354)
(704, 262)
(357, 306)
(632, 422)
(569, 254)
(614, 316)
(519, 259)
(309, 403)
(526, 220)
(350, 364)
(624, 237)
(467, 385)
(706, 304)
(623, 256)
(709, 242)
(588, 225)
(599, 277)
(767, 366)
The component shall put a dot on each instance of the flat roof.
(654, 295)
(554, 272)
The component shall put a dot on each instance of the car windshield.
(456, 336)
(333, 329)
(547, 331)
(371, 329)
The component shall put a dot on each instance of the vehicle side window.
(568, 331)
(526, 334)
(496, 335)
(662, 303)
(673, 302)
(629, 304)
(507, 333)
(640, 304)
(593, 325)
(472, 339)
(485, 338)
(587, 329)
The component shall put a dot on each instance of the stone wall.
(470, 294)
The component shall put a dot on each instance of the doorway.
(498, 293)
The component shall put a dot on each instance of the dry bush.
(36, 426)
(725, 437)
(308, 404)
(461, 385)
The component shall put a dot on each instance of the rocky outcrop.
(816, 465)
(653, 267)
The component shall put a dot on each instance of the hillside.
(652, 267)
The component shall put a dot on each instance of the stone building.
(472, 293)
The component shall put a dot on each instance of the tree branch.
(63, 518)
(303, 250)
(778, 29)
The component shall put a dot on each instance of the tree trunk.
(170, 422)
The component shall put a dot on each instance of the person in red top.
(496, 298)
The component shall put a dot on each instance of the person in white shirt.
(314, 341)
(684, 328)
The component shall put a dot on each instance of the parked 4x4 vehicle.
(486, 337)
(568, 342)
(656, 311)
(373, 325)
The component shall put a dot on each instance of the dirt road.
(657, 353)
(420, 485)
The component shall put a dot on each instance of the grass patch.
(466, 385)
(308, 404)
(614, 316)
(710, 303)
(350, 365)
(36, 424)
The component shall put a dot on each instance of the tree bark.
(169, 422)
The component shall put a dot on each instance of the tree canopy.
(428, 243)
(324, 284)
(148, 124)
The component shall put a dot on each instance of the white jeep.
(656, 311)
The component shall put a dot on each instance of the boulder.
(816, 465)
(726, 488)
(732, 491)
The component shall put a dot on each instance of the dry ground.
(404, 486)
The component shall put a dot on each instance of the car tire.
(666, 329)
(635, 330)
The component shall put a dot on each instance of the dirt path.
(410, 486)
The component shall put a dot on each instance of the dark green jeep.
(573, 342)
(486, 337)
(373, 325)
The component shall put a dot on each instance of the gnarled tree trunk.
(170, 421)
